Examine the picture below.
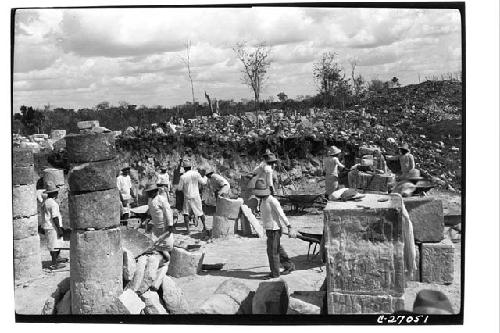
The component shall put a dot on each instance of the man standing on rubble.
(52, 225)
(273, 219)
(161, 214)
(124, 184)
(189, 184)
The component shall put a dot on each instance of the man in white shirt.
(163, 182)
(189, 185)
(52, 224)
(273, 219)
(161, 214)
(124, 184)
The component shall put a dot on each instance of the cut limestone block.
(25, 227)
(297, 306)
(257, 227)
(91, 147)
(24, 201)
(96, 260)
(315, 301)
(136, 281)
(229, 208)
(437, 260)
(227, 299)
(153, 305)
(64, 305)
(27, 247)
(22, 157)
(63, 201)
(174, 298)
(23, 175)
(364, 245)
(127, 303)
(129, 265)
(27, 268)
(93, 176)
(55, 176)
(162, 271)
(87, 124)
(57, 134)
(271, 297)
(185, 263)
(100, 209)
(339, 303)
(150, 272)
(426, 214)
(222, 227)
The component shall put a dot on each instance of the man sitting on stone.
(161, 214)
(52, 225)
(273, 219)
(406, 160)
(189, 184)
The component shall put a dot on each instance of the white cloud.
(80, 57)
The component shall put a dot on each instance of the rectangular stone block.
(27, 268)
(86, 124)
(24, 202)
(364, 246)
(23, 175)
(426, 214)
(27, 247)
(55, 176)
(437, 260)
(100, 209)
(22, 157)
(340, 303)
(25, 227)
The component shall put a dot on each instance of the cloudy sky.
(80, 57)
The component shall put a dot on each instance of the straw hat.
(267, 152)
(334, 151)
(404, 146)
(432, 302)
(271, 158)
(150, 187)
(51, 188)
(413, 174)
(261, 188)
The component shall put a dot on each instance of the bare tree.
(256, 63)
(187, 62)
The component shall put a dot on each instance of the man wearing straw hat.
(331, 170)
(52, 225)
(273, 219)
(161, 214)
(189, 184)
(124, 184)
(217, 183)
(265, 171)
(406, 160)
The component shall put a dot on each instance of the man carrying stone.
(273, 219)
(189, 184)
(217, 183)
(161, 214)
(124, 184)
(52, 225)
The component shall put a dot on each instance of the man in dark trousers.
(273, 219)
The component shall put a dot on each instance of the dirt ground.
(245, 259)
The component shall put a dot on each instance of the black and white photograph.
(273, 164)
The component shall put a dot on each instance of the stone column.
(227, 211)
(27, 258)
(364, 247)
(94, 210)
